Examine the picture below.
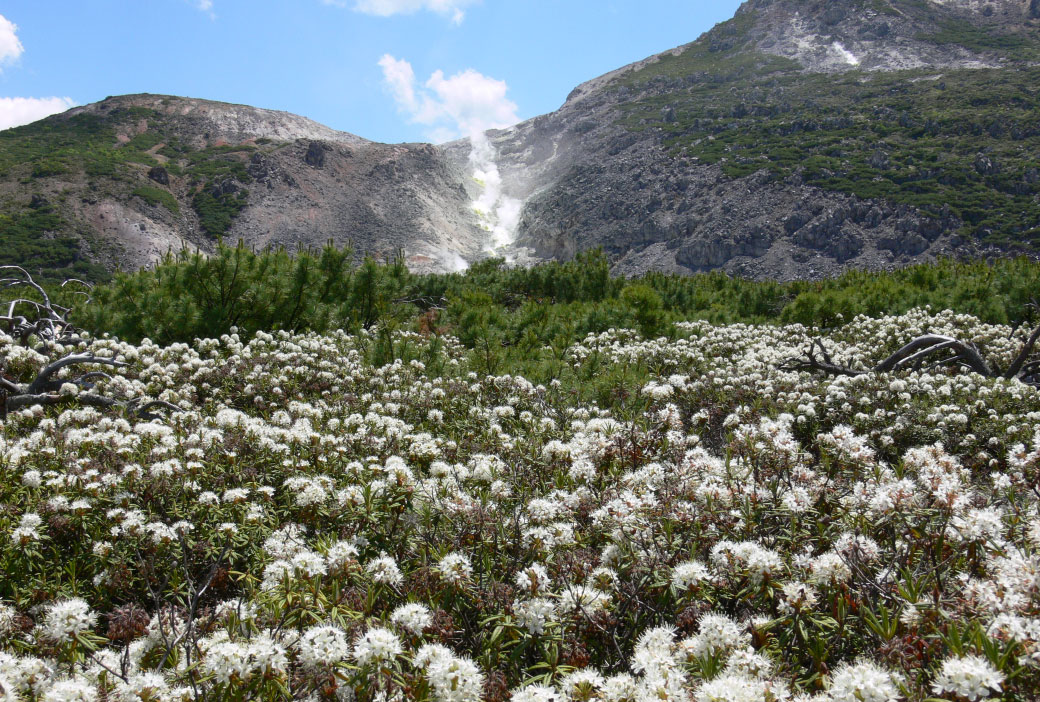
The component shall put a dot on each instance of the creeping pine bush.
(314, 527)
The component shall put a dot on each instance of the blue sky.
(387, 70)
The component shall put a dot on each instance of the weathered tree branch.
(43, 380)
(823, 363)
(915, 353)
(52, 327)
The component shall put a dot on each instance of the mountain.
(797, 139)
(120, 182)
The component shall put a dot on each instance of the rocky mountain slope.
(120, 182)
(797, 139)
(800, 138)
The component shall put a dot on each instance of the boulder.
(315, 156)
(159, 175)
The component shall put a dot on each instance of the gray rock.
(159, 175)
(315, 155)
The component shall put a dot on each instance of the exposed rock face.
(315, 155)
(205, 122)
(405, 197)
(829, 35)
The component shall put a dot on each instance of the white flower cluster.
(340, 528)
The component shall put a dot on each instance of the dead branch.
(49, 323)
(937, 350)
(810, 361)
(46, 320)
(43, 380)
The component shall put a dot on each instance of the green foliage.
(906, 136)
(190, 295)
(517, 319)
(84, 143)
(28, 238)
(89, 145)
(646, 308)
(219, 163)
(156, 196)
(964, 33)
(216, 209)
(217, 168)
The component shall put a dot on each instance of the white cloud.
(386, 8)
(15, 111)
(205, 6)
(466, 104)
(400, 79)
(10, 47)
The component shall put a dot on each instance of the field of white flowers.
(311, 527)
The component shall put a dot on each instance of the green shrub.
(156, 196)
(216, 211)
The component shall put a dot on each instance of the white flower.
(717, 633)
(533, 579)
(971, 676)
(74, 690)
(340, 554)
(323, 645)
(226, 659)
(142, 686)
(451, 678)
(412, 617)
(746, 661)
(864, 681)
(654, 654)
(619, 687)
(829, 569)
(309, 564)
(377, 645)
(267, 656)
(582, 684)
(738, 687)
(384, 570)
(536, 693)
(797, 597)
(455, 568)
(584, 600)
(67, 619)
(7, 619)
(689, 573)
(534, 614)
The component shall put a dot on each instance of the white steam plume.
(466, 104)
(497, 212)
(846, 55)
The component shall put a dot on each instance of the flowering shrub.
(313, 527)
